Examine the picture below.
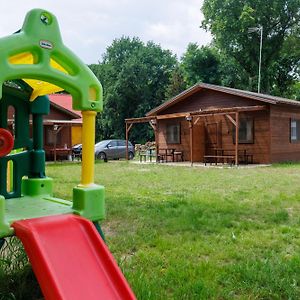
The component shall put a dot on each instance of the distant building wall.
(76, 134)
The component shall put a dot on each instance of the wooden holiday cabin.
(205, 120)
(62, 127)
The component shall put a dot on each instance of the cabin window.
(246, 131)
(173, 133)
(295, 130)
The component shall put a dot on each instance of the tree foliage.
(177, 83)
(229, 22)
(201, 64)
(135, 77)
(139, 76)
(210, 65)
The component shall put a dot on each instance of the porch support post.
(70, 136)
(231, 119)
(190, 120)
(156, 141)
(56, 131)
(54, 144)
(127, 133)
(154, 124)
(237, 139)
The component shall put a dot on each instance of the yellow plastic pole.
(88, 146)
(8, 177)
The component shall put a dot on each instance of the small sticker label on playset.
(46, 44)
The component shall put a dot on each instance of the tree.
(134, 76)
(232, 74)
(177, 83)
(201, 64)
(229, 22)
(294, 91)
(289, 60)
(210, 65)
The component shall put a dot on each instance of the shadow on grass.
(17, 280)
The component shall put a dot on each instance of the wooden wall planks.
(281, 147)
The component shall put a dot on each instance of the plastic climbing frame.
(34, 62)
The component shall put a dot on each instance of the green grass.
(200, 233)
(17, 280)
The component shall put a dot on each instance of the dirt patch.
(110, 228)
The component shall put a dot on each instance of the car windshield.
(102, 143)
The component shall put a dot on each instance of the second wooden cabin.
(206, 120)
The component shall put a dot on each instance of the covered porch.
(58, 139)
(208, 136)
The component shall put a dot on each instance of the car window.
(101, 144)
(122, 143)
(113, 144)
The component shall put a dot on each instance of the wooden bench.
(244, 157)
(219, 158)
(145, 154)
(249, 158)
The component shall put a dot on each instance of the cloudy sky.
(89, 26)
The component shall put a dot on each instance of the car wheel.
(130, 155)
(102, 156)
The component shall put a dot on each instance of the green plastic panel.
(88, 202)
(31, 195)
(30, 160)
(37, 201)
(20, 102)
(29, 207)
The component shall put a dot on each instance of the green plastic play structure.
(34, 62)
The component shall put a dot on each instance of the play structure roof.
(39, 88)
(37, 55)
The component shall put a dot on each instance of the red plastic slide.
(70, 260)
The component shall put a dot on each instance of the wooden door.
(213, 137)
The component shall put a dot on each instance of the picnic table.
(59, 152)
(221, 155)
(164, 155)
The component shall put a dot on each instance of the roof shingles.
(64, 102)
(200, 86)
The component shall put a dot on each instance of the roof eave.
(174, 100)
(61, 108)
(236, 92)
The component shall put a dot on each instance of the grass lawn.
(200, 233)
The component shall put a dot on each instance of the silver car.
(113, 149)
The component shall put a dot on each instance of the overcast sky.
(89, 26)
